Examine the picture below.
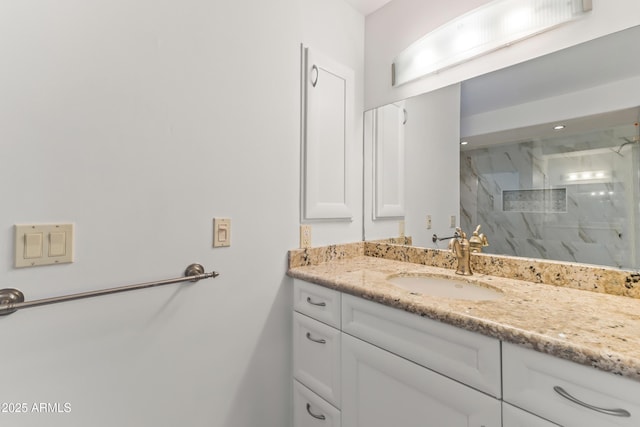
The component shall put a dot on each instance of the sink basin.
(445, 287)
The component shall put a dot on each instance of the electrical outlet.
(453, 221)
(428, 222)
(305, 236)
(401, 228)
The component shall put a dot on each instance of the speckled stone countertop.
(590, 328)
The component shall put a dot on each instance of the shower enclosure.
(563, 197)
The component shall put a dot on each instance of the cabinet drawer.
(535, 382)
(465, 356)
(514, 417)
(316, 357)
(315, 301)
(310, 410)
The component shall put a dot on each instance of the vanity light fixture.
(492, 26)
(586, 175)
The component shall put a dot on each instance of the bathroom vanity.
(370, 353)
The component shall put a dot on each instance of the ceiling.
(603, 60)
(597, 62)
(367, 6)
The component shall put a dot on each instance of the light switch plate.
(221, 232)
(401, 228)
(452, 221)
(43, 244)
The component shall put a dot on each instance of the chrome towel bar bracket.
(12, 300)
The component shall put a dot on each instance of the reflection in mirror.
(569, 196)
(388, 123)
(427, 130)
(542, 208)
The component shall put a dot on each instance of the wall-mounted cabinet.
(388, 160)
(327, 137)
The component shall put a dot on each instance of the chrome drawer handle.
(319, 341)
(615, 412)
(319, 304)
(319, 417)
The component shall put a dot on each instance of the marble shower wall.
(564, 199)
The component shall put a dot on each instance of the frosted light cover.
(482, 30)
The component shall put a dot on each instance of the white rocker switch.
(43, 244)
(32, 245)
(57, 244)
(221, 232)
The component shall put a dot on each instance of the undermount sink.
(445, 287)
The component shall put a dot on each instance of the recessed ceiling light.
(464, 142)
(559, 127)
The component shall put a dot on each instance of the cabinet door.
(380, 389)
(309, 410)
(316, 357)
(328, 137)
(388, 162)
(514, 417)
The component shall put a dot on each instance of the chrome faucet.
(461, 248)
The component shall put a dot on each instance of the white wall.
(401, 22)
(140, 121)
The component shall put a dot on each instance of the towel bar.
(12, 300)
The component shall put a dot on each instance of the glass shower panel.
(569, 199)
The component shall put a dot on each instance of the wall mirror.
(570, 194)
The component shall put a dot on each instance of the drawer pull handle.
(319, 341)
(319, 417)
(319, 304)
(616, 411)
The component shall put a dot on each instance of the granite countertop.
(589, 328)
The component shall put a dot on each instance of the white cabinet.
(309, 410)
(329, 142)
(340, 378)
(470, 358)
(388, 160)
(316, 357)
(320, 303)
(380, 389)
(568, 393)
(363, 364)
(515, 417)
